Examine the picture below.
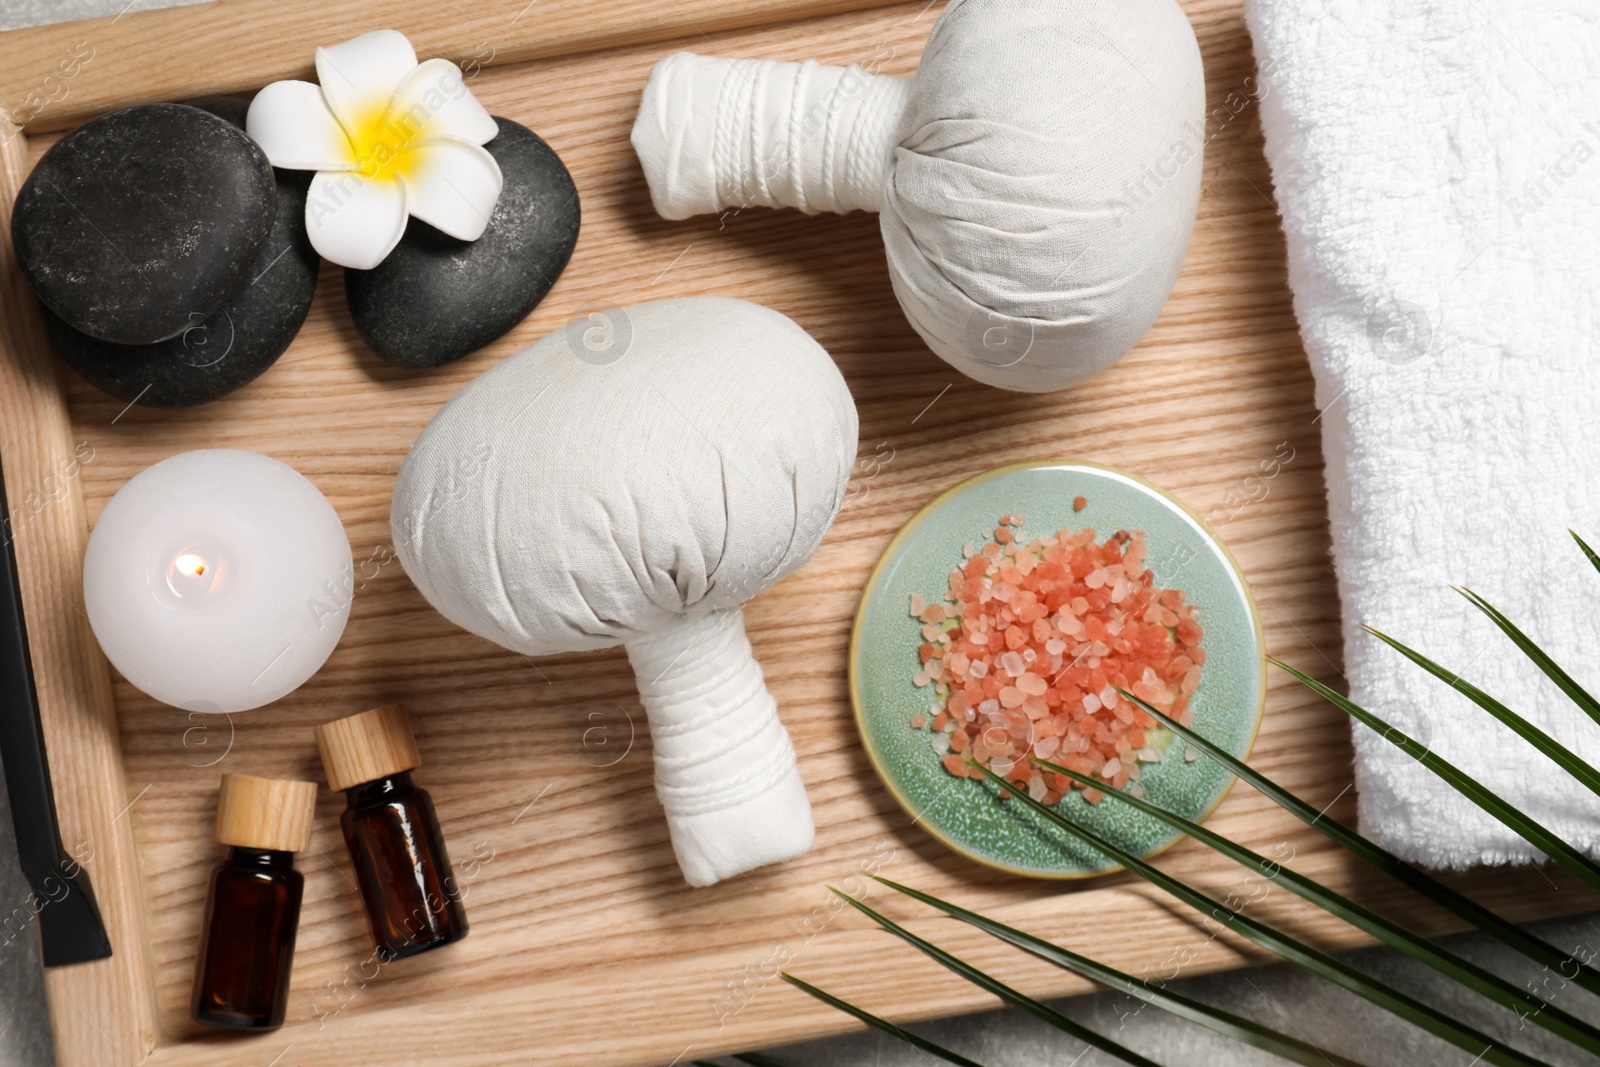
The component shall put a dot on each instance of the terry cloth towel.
(1437, 167)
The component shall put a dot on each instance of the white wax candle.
(218, 580)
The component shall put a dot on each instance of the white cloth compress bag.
(1036, 181)
(638, 494)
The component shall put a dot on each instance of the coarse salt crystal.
(1073, 617)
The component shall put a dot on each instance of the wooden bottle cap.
(366, 747)
(269, 813)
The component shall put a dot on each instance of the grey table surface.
(1280, 996)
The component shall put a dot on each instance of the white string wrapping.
(775, 135)
(1036, 181)
(580, 497)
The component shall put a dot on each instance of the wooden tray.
(586, 945)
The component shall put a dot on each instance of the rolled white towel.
(1436, 170)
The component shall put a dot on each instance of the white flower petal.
(359, 77)
(453, 185)
(291, 122)
(434, 101)
(354, 220)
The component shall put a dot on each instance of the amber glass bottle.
(241, 975)
(412, 899)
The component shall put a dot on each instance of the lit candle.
(218, 580)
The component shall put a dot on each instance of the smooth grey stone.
(138, 224)
(435, 298)
(232, 347)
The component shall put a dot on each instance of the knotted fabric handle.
(725, 768)
(714, 134)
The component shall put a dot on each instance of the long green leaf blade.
(993, 985)
(1537, 835)
(1594, 560)
(1465, 907)
(1558, 753)
(879, 1023)
(1552, 670)
(1273, 940)
(1463, 971)
(1238, 1028)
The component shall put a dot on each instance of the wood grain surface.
(586, 945)
(110, 1003)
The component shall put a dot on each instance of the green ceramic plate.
(966, 814)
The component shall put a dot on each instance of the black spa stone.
(435, 298)
(232, 108)
(138, 221)
(216, 355)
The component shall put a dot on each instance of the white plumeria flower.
(388, 137)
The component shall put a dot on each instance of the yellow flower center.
(381, 140)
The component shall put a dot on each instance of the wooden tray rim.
(142, 56)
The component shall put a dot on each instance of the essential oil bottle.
(412, 899)
(241, 974)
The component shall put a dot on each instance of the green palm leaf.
(1594, 560)
(1245, 1031)
(1422, 950)
(1530, 831)
(999, 988)
(881, 1024)
(1550, 667)
(1559, 753)
(1464, 907)
(1320, 963)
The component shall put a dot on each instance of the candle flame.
(190, 564)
